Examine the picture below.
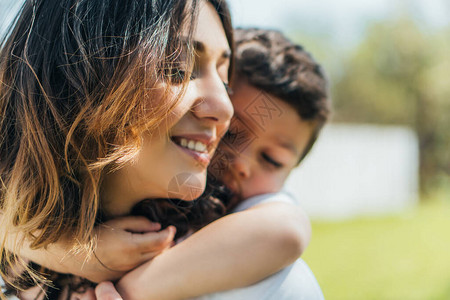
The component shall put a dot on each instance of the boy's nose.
(241, 167)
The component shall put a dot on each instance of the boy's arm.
(234, 251)
(122, 244)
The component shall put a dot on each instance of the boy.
(280, 102)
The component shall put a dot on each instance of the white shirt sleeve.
(266, 198)
(295, 282)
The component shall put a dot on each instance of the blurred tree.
(399, 75)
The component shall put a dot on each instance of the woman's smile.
(201, 147)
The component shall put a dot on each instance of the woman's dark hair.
(77, 79)
(269, 61)
(187, 216)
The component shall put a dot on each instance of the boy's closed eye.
(268, 159)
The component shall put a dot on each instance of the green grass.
(401, 257)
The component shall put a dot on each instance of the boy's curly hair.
(274, 64)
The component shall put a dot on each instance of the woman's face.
(172, 162)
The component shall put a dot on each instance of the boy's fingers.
(150, 255)
(87, 295)
(107, 291)
(155, 240)
(134, 224)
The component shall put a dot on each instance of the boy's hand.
(103, 291)
(125, 243)
(107, 291)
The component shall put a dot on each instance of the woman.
(104, 103)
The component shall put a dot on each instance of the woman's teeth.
(193, 145)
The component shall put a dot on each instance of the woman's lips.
(199, 147)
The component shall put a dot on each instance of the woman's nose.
(214, 104)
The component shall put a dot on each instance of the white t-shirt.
(295, 282)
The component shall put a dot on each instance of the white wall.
(356, 170)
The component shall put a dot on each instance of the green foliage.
(379, 78)
(398, 257)
(400, 75)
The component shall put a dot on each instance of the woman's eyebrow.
(197, 45)
(200, 47)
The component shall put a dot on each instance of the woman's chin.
(186, 186)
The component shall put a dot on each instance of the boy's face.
(265, 142)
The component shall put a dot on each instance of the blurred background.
(377, 183)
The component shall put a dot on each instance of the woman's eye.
(228, 88)
(179, 75)
(193, 75)
(271, 161)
